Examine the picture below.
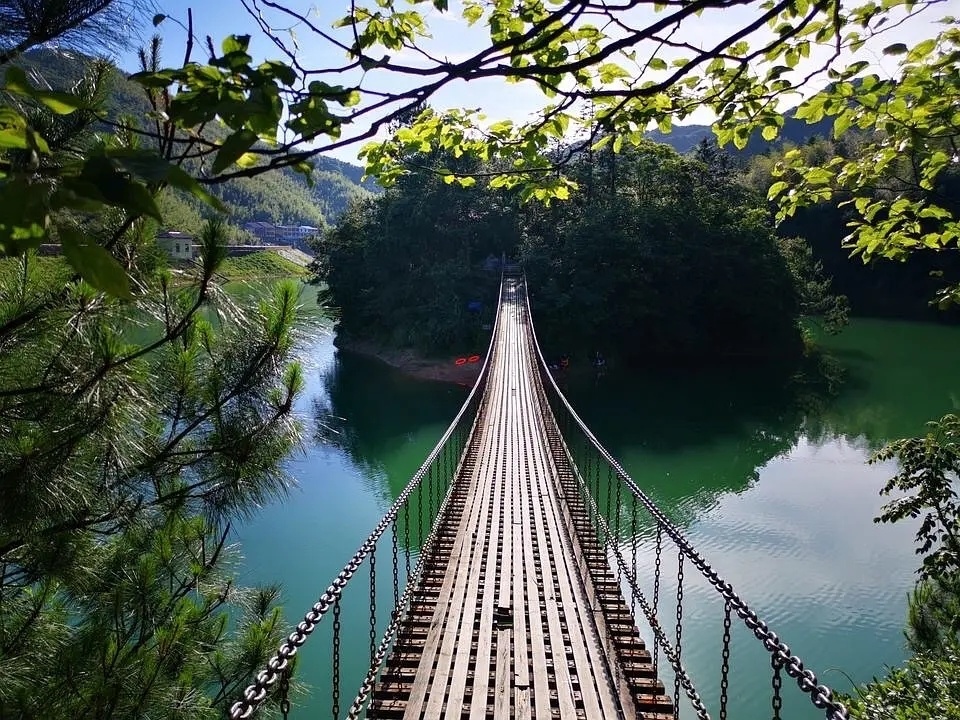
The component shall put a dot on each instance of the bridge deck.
(518, 615)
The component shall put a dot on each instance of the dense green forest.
(281, 197)
(659, 256)
(883, 288)
(402, 268)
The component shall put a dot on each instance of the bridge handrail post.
(820, 695)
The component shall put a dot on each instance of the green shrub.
(925, 687)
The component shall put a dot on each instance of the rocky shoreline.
(411, 363)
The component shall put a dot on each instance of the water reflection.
(383, 420)
(767, 477)
(776, 492)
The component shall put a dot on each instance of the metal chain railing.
(649, 612)
(584, 449)
(335, 682)
(376, 662)
(439, 469)
(725, 662)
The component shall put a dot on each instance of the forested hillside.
(657, 257)
(684, 138)
(281, 197)
(887, 287)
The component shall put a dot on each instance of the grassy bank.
(264, 264)
(54, 269)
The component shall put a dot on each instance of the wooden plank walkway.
(517, 614)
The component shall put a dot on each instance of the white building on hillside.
(178, 245)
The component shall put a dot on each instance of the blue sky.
(452, 38)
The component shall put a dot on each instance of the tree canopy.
(607, 71)
(659, 257)
(141, 414)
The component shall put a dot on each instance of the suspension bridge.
(514, 569)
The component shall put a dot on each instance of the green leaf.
(769, 132)
(248, 159)
(13, 139)
(601, 143)
(161, 79)
(472, 13)
(232, 149)
(23, 216)
(895, 49)
(59, 102)
(610, 72)
(95, 265)
(841, 124)
(776, 190)
(13, 129)
(741, 136)
(235, 44)
(922, 49)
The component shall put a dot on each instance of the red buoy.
(461, 361)
(473, 358)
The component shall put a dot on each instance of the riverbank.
(260, 266)
(413, 364)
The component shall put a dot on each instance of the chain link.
(285, 694)
(609, 499)
(679, 633)
(396, 567)
(656, 587)
(335, 713)
(406, 537)
(618, 509)
(725, 663)
(633, 546)
(596, 487)
(777, 681)
(430, 498)
(441, 482)
(373, 603)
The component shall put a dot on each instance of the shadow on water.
(385, 421)
(696, 434)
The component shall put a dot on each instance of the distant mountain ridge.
(282, 196)
(684, 138)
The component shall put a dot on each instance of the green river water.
(779, 500)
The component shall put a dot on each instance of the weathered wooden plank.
(449, 601)
(535, 591)
(459, 625)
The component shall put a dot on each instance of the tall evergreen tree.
(136, 425)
